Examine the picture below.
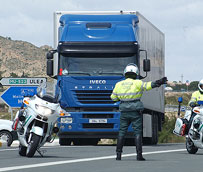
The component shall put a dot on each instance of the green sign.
(18, 81)
(22, 81)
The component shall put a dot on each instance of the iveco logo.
(97, 81)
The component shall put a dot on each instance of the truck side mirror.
(50, 67)
(146, 65)
(50, 55)
(146, 62)
(50, 62)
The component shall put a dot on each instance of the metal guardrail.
(174, 108)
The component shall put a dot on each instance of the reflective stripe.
(114, 99)
(129, 94)
(129, 90)
(145, 86)
(196, 96)
(114, 94)
(193, 98)
(142, 86)
(126, 100)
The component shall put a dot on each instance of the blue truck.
(91, 50)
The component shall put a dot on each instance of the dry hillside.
(20, 57)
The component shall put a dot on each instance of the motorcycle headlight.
(42, 110)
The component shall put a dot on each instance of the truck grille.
(97, 115)
(94, 96)
(99, 126)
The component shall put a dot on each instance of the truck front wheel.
(64, 141)
(86, 141)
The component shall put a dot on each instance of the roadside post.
(11, 111)
(19, 87)
(187, 84)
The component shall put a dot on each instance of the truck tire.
(154, 139)
(85, 141)
(89, 141)
(93, 142)
(32, 146)
(22, 150)
(64, 141)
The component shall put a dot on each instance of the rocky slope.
(20, 58)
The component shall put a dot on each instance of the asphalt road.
(159, 158)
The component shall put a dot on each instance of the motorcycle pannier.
(180, 127)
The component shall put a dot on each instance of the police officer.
(196, 96)
(129, 93)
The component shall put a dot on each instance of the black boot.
(138, 143)
(118, 156)
(119, 147)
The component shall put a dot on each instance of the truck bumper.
(101, 135)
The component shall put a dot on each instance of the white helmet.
(200, 86)
(131, 68)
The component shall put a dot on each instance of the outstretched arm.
(159, 82)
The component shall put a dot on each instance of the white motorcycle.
(194, 136)
(35, 123)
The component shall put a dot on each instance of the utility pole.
(181, 78)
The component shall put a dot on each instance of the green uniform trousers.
(128, 117)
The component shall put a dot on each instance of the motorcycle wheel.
(32, 146)
(191, 148)
(22, 150)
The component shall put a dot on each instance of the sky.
(180, 20)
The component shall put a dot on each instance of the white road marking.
(81, 160)
(3, 150)
(44, 147)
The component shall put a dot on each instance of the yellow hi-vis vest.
(130, 90)
(196, 96)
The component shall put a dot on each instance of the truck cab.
(91, 53)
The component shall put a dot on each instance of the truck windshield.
(94, 66)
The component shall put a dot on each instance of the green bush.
(166, 135)
(171, 98)
(192, 87)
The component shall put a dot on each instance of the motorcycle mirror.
(180, 100)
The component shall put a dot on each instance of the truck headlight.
(67, 120)
(42, 110)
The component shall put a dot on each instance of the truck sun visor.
(98, 25)
(120, 49)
